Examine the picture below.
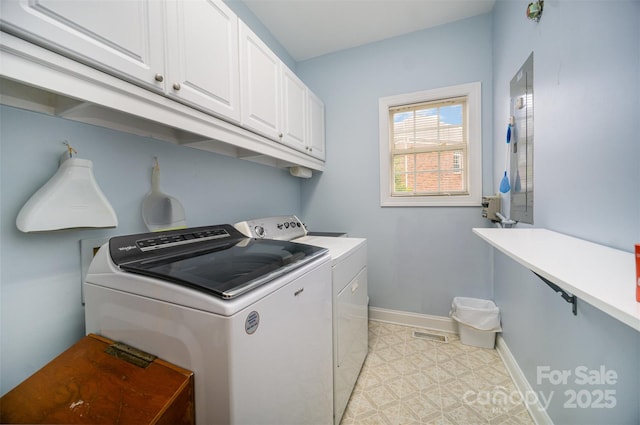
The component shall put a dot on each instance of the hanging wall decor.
(534, 10)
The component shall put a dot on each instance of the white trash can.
(478, 321)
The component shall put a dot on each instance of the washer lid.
(220, 262)
(339, 248)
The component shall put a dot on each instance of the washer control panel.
(147, 246)
(281, 228)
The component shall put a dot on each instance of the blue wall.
(40, 310)
(419, 258)
(587, 55)
(586, 113)
(586, 175)
(587, 62)
(40, 273)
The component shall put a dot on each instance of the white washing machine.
(349, 293)
(251, 318)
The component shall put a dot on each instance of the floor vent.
(430, 336)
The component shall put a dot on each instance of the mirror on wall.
(521, 153)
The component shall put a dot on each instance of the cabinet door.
(203, 56)
(124, 38)
(259, 85)
(316, 126)
(294, 111)
(351, 329)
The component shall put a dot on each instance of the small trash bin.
(478, 321)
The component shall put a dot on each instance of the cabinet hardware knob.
(176, 86)
(159, 78)
(280, 135)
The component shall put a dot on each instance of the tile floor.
(408, 380)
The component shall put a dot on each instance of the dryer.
(349, 296)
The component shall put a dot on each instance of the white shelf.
(601, 276)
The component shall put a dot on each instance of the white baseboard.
(435, 323)
(537, 412)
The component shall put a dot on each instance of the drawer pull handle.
(298, 292)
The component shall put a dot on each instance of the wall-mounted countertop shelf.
(601, 276)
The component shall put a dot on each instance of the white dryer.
(350, 296)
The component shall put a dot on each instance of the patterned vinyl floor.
(411, 380)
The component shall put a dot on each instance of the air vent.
(430, 336)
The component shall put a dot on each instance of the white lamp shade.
(70, 199)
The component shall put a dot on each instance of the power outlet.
(88, 249)
(490, 206)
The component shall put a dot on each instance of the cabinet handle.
(159, 78)
(280, 135)
(176, 86)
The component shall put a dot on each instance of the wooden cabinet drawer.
(85, 385)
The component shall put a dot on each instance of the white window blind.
(429, 146)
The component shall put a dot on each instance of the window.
(457, 162)
(430, 148)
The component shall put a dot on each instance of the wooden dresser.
(96, 382)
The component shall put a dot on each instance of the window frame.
(472, 91)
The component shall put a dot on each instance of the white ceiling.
(310, 28)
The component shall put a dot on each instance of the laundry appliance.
(349, 295)
(252, 318)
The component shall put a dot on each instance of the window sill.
(601, 276)
(430, 201)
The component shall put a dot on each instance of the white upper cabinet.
(259, 85)
(316, 135)
(275, 102)
(202, 47)
(193, 54)
(123, 37)
(302, 116)
(294, 111)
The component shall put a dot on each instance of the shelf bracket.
(571, 299)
